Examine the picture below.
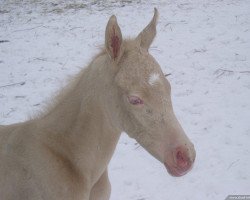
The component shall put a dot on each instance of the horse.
(63, 152)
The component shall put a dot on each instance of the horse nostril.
(181, 159)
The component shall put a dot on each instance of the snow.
(205, 45)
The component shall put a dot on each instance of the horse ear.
(113, 39)
(147, 36)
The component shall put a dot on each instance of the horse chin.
(175, 171)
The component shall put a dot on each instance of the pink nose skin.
(181, 159)
(181, 162)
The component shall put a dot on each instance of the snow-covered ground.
(205, 45)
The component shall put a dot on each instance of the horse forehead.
(154, 78)
(146, 66)
(140, 68)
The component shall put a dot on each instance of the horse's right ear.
(113, 39)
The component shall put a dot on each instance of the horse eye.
(135, 100)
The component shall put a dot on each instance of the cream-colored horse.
(63, 154)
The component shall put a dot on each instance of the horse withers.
(63, 153)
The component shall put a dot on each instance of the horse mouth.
(178, 171)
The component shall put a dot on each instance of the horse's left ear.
(146, 37)
(113, 39)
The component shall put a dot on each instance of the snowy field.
(205, 45)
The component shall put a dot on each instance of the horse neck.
(81, 120)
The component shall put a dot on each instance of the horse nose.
(184, 157)
(181, 158)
